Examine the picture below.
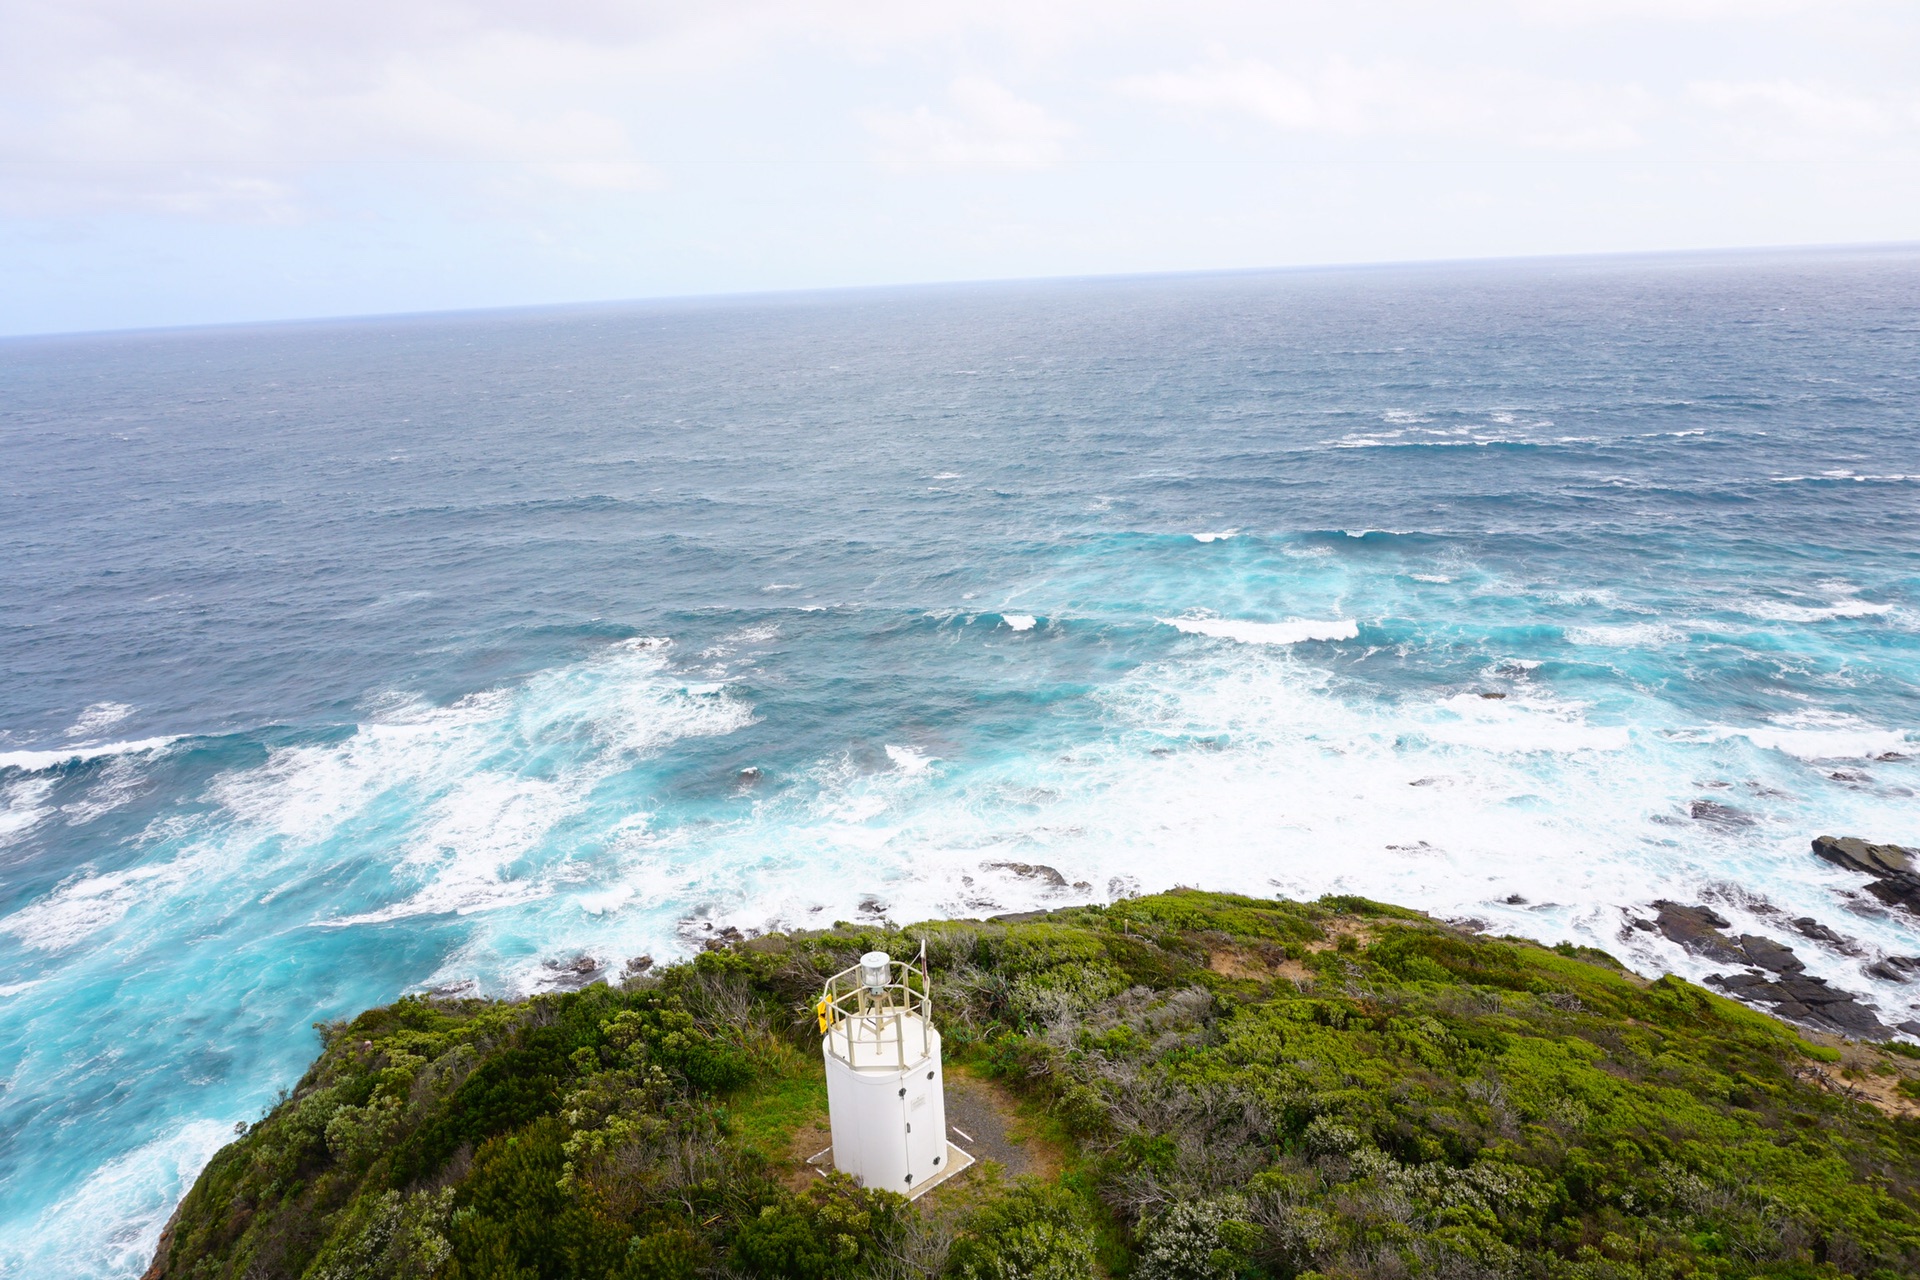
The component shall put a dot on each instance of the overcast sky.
(183, 161)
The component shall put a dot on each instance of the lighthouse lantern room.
(886, 1097)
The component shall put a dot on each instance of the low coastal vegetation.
(1231, 1087)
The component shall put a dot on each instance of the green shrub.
(1198, 1240)
(1034, 1232)
(832, 1230)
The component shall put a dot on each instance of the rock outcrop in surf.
(1890, 867)
(1775, 976)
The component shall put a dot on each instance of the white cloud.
(1812, 107)
(1345, 99)
(399, 154)
(988, 126)
(227, 110)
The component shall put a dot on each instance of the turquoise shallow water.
(357, 658)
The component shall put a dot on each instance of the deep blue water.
(348, 659)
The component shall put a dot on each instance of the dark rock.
(1869, 859)
(636, 965)
(1698, 930)
(1514, 900)
(1896, 968)
(1746, 983)
(1493, 696)
(572, 974)
(1808, 927)
(1719, 815)
(872, 906)
(1898, 891)
(1769, 954)
(1911, 1028)
(1018, 917)
(1030, 871)
(1808, 1001)
(1894, 880)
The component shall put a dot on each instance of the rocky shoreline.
(1774, 977)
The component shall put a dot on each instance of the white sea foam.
(1221, 536)
(1019, 621)
(80, 753)
(97, 717)
(1787, 611)
(110, 1224)
(1839, 743)
(1266, 632)
(23, 806)
(1249, 769)
(83, 906)
(1234, 766)
(461, 801)
(1631, 635)
(907, 760)
(119, 782)
(1431, 577)
(1519, 725)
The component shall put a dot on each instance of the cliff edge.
(1225, 1087)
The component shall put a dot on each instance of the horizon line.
(804, 291)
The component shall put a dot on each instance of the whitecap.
(1266, 632)
(759, 634)
(1786, 611)
(1820, 743)
(1019, 621)
(1431, 577)
(24, 807)
(80, 753)
(907, 760)
(1221, 536)
(97, 717)
(1632, 635)
(605, 900)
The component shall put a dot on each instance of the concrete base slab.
(957, 1161)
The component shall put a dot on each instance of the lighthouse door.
(913, 1106)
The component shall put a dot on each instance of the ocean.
(482, 652)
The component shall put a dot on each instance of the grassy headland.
(1236, 1087)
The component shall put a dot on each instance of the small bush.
(1034, 1232)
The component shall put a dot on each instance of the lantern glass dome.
(873, 971)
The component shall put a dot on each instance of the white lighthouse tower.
(886, 1097)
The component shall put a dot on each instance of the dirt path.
(982, 1117)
